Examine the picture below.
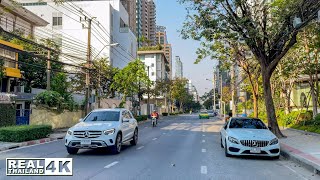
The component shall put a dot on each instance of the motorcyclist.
(155, 114)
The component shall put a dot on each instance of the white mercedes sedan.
(248, 136)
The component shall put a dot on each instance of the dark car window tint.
(103, 116)
(247, 123)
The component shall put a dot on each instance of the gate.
(22, 116)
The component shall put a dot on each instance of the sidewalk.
(302, 147)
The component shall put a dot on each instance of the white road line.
(295, 172)
(203, 141)
(164, 133)
(140, 147)
(154, 139)
(203, 135)
(204, 170)
(204, 150)
(111, 164)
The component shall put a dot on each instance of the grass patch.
(308, 128)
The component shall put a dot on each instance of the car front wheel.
(116, 149)
(72, 150)
(226, 149)
(134, 140)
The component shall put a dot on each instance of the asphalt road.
(181, 147)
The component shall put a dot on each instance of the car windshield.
(247, 123)
(103, 116)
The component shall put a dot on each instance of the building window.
(152, 73)
(56, 19)
(152, 64)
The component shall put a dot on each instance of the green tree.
(266, 28)
(2, 73)
(128, 80)
(179, 92)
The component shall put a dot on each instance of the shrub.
(49, 98)
(164, 114)
(141, 118)
(7, 115)
(317, 118)
(24, 133)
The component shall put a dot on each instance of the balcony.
(124, 29)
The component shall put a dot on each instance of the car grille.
(254, 143)
(87, 134)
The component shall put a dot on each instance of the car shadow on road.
(102, 151)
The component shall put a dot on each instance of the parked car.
(203, 114)
(211, 113)
(101, 129)
(248, 136)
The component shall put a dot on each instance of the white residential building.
(110, 25)
(157, 63)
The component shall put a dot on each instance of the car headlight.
(274, 141)
(109, 131)
(69, 132)
(233, 140)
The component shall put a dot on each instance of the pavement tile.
(302, 146)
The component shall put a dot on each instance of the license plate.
(255, 150)
(86, 142)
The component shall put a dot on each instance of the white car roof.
(110, 109)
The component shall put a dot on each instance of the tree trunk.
(314, 97)
(255, 105)
(271, 114)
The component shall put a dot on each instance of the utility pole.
(48, 71)
(214, 91)
(99, 85)
(88, 66)
(148, 104)
(221, 94)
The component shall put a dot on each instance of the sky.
(172, 14)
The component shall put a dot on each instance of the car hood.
(251, 134)
(94, 126)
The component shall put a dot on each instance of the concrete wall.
(57, 120)
(113, 103)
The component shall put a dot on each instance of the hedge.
(24, 133)
(164, 114)
(141, 118)
(7, 115)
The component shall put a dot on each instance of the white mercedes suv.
(249, 136)
(103, 128)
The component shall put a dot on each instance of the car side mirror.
(80, 120)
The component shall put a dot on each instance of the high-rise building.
(139, 20)
(179, 68)
(131, 7)
(161, 38)
(148, 22)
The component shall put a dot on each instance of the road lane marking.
(295, 171)
(111, 164)
(163, 133)
(203, 135)
(204, 150)
(140, 147)
(204, 170)
(154, 139)
(203, 141)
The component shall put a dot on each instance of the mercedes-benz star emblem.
(86, 134)
(254, 143)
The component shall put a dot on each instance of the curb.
(303, 132)
(301, 158)
(33, 142)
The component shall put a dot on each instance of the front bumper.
(100, 142)
(240, 150)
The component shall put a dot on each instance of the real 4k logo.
(39, 166)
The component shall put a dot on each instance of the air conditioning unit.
(19, 89)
